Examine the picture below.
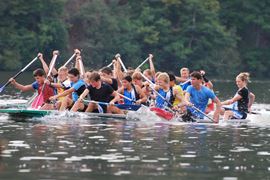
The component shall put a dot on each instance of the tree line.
(222, 37)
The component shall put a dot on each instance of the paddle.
(197, 109)
(40, 99)
(118, 56)
(70, 59)
(20, 72)
(73, 55)
(120, 106)
(109, 65)
(142, 63)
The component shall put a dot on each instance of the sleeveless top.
(133, 94)
(160, 102)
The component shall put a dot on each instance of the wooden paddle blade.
(162, 113)
(38, 102)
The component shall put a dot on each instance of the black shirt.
(243, 102)
(114, 84)
(102, 94)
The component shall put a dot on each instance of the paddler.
(132, 92)
(98, 92)
(77, 88)
(198, 95)
(40, 78)
(241, 102)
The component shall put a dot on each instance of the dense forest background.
(223, 37)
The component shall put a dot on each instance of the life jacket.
(133, 94)
(47, 92)
(160, 102)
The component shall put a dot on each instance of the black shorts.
(104, 108)
(79, 110)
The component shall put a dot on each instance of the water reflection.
(103, 149)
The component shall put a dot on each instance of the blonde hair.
(243, 76)
(164, 77)
(148, 72)
(137, 76)
(184, 69)
(63, 69)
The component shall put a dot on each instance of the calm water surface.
(90, 148)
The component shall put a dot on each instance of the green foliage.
(221, 36)
(28, 27)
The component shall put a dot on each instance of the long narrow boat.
(31, 113)
(25, 114)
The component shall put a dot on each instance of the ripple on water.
(263, 153)
(29, 158)
(230, 178)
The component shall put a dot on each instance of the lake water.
(79, 147)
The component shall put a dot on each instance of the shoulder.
(190, 88)
(35, 85)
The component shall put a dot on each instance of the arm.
(44, 64)
(116, 97)
(54, 71)
(180, 79)
(187, 99)
(152, 67)
(251, 100)
(82, 96)
(20, 86)
(107, 80)
(210, 85)
(63, 94)
(218, 109)
(143, 97)
(118, 72)
(237, 97)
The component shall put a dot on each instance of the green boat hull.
(41, 113)
(25, 112)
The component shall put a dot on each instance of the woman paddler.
(242, 100)
(132, 94)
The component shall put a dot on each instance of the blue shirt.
(79, 87)
(200, 99)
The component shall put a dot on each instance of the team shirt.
(200, 99)
(79, 87)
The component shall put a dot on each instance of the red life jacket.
(47, 92)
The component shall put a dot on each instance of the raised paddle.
(70, 59)
(118, 57)
(142, 63)
(109, 65)
(40, 99)
(20, 72)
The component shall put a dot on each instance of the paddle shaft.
(197, 109)
(121, 62)
(70, 59)
(97, 102)
(109, 65)
(143, 63)
(20, 72)
(125, 97)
